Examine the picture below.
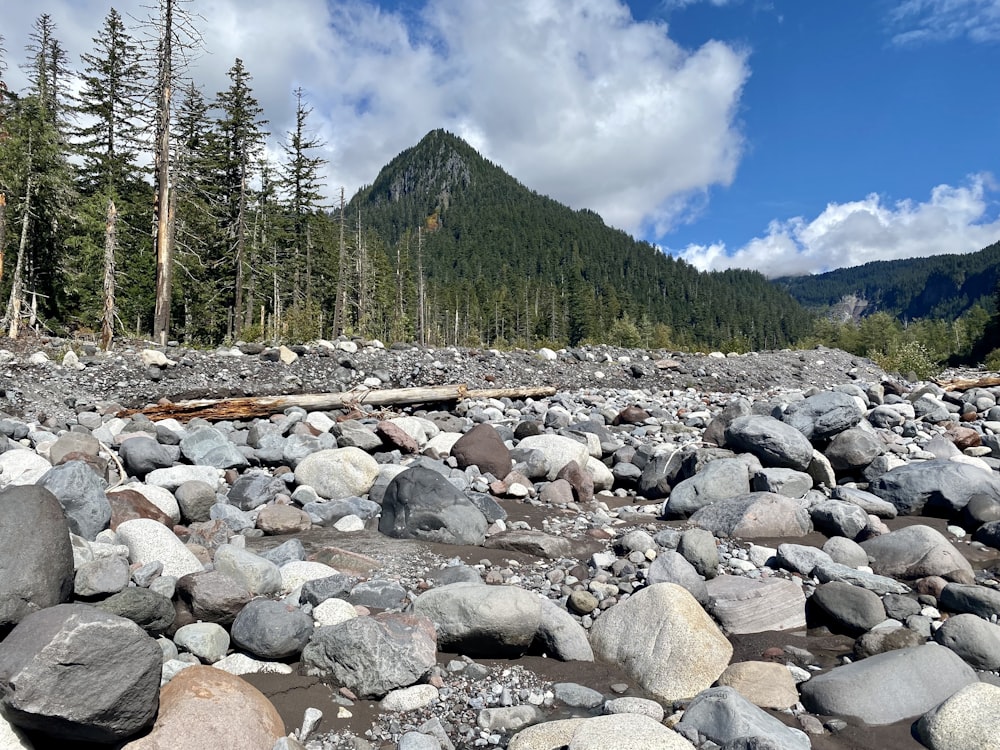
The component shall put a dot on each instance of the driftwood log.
(965, 385)
(245, 407)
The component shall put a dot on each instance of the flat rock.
(938, 487)
(772, 441)
(755, 515)
(917, 552)
(766, 684)
(747, 605)
(531, 543)
(722, 714)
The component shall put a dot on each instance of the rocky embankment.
(776, 550)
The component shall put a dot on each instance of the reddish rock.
(212, 596)
(482, 446)
(395, 437)
(580, 479)
(631, 415)
(347, 562)
(963, 437)
(206, 707)
(127, 505)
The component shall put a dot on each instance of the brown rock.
(127, 505)
(212, 596)
(207, 708)
(347, 562)
(559, 492)
(283, 519)
(482, 446)
(763, 683)
(631, 415)
(963, 437)
(580, 479)
(395, 437)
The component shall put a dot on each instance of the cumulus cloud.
(573, 97)
(952, 220)
(917, 21)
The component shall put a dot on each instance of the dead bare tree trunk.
(110, 246)
(421, 298)
(161, 204)
(338, 305)
(13, 316)
(3, 229)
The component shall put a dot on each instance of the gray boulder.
(747, 605)
(867, 501)
(81, 494)
(480, 620)
(801, 558)
(772, 441)
(271, 630)
(336, 473)
(787, 482)
(151, 611)
(254, 489)
(976, 640)
(721, 478)
(213, 596)
(938, 487)
(916, 552)
(372, 655)
(73, 672)
(978, 600)
(723, 715)
(827, 572)
(845, 608)
(836, 518)
(969, 718)
(207, 446)
(698, 548)
(823, 415)
(142, 455)
(889, 687)
(671, 567)
(755, 515)
(422, 504)
(852, 450)
(36, 568)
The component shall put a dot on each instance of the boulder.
(73, 672)
(976, 640)
(150, 541)
(983, 601)
(821, 416)
(206, 446)
(772, 441)
(213, 596)
(938, 487)
(852, 450)
(482, 446)
(722, 478)
(969, 718)
(557, 449)
(723, 715)
(205, 707)
(338, 473)
(664, 639)
(747, 605)
(36, 568)
(151, 611)
(845, 608)
(81, 494)
(142, 454)
(671, 567)
(889, 687)
(766, 684)
(916, 552)
(271, 630)
(373, 655)
(754, 515)
(421, 504)
(836, 518)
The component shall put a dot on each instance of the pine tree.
(240, 138)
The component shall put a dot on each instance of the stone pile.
(146, 567)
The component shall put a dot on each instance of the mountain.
(513, 265)
(938, 287)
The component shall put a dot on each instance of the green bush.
(993, 360)
(908, 358)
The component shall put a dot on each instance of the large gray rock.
(373, 655)
(852, 450)
(500, 621)
(671, 567)
(974, 639)
(73, 672)
(970, 718)
(664, 639)
(271, 630)
(938, 487)
(721, 478)
(36, 559)
(823, 415)
(772, 441)
(916, 552)
(81, 494)
(867, 501)
(208, 446)
(337, 473)
(557, 449)
(254, 489)
(836, 518)
(213, 596)
(832, 571)
(978, 600)
(846, 609)
(889, 687)
(151, 611)
(723, 715)
(802, 558)
(142, 454)
(422, 504)
(747, 605)
(754, 515)
(259, 576)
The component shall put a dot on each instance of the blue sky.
(790, 136)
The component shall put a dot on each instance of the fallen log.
(991, 381)
(245, 407)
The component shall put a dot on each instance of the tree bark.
(3, 229)
(110, 246)
(13, 317)
(161, 204)
(263, 406)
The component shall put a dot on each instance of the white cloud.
(917, 21)
(573, 97)
(952, 220)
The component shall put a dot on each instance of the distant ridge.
(523, 267)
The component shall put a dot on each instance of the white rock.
(337, 473)
(155, 357)
(21, 466)
(409, 698)
(148, 540)
(239, 664)
(209, 641)
(297, 572)
(259, 575)
(333, 612)
(174, 476)
(349, 524)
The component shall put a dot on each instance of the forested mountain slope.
(940, 287)
(518, 266)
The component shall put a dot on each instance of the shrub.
(906, 358)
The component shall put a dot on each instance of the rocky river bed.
(773, 550)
